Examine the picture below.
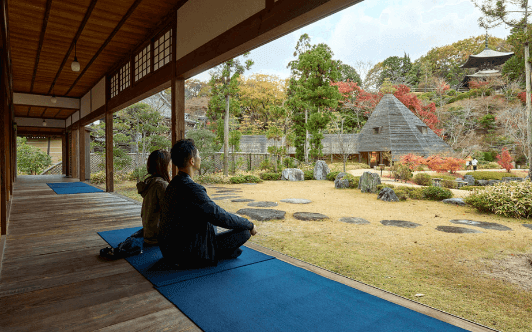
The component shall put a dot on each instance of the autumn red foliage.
(361, 99)
(505, 160)
(474, 84)
(521, 95)
(427, 113)
(444, 164)
(413, 161)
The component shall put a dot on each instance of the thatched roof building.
(392, 127)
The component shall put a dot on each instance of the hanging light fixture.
(44, 122)
(75, 66)
(53, 99)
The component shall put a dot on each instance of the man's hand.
(254, 230)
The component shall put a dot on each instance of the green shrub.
(489, 165)
(98, 177)
(214, 178)
(353, 180)
(271, 176)
(487, 175)
(401, 193)
(402, 172)
(289, 162)
(436, 193)
(470, 188)
(138, 174)
(309, 175)
(451, 184)
(252, 179)
(423, 179)
(237, 179)
(415, 193)
(359, 166)
(384, 185)
(332, 175)
(266, 165)
(510, 199)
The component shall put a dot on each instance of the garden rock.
(368, 182)
(509, 179)
(400, 223)
(528, 225)
(469, 179)
(309, 216)
(340, 182)
(262, 214)
(293, 174)
(263, 204)
(481, 224)
(458, 230)
(492, 182)
(224, 197)
(455, 201)
(296, 200)
(388, 195)
(321, 170)
(482, 182)
(354, 220)
(242, 200)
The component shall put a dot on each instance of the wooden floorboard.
(52, 277)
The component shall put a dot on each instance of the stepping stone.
(400, 223)
(454, 229)
(242, 200)
(296, 200)
(262, 214)
(455, 201)
(228, 191)
(263, 204)
(250, 184)
(481, 224)
(353, 220)
(224, 197)
(309, 216)
(528, 225)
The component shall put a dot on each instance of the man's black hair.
(182, 151)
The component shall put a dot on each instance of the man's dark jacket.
(186, 232)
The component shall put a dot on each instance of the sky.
(374, 30)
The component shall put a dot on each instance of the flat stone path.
(455, 229)
(296, 200)
(224, 197)
(263, 204)
(528, 225)
(242, 200)
(400, 223)
(481, 224)
(354, 220)
(309, 216)
(262, 214)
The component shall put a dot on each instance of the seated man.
(186, 233)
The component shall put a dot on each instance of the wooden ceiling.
(43, 34)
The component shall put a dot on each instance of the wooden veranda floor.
(52, 279)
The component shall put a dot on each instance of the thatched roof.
(393, 127)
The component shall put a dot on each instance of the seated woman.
(152, 191)
(186, 232)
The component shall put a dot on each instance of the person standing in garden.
(474, 162)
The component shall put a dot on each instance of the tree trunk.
(528, 108)
(306, 137)
(226, 135)
(49, 140)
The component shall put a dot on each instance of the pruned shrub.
(332, 175)
(436, 193)
(423, 179)
(252, 179)
(510, 199)
(353, 180)
(384, 185)
(470, 188)
(271, 176)
(415, 193)
(401, 193)
(487, 175)
(309, 175)
(215, 178)
(138, 174)
(402, 172)
(451, 184)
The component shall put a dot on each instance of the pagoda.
(486, 62)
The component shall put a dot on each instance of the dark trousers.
(228, 243)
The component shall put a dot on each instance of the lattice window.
(124, 77)
(143, 63)
(162, 50)
(114, 85)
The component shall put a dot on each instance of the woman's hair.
(157, 164)
(182, 151)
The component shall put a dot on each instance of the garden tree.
(31, 159)
(275, 133)
(362, 68)
(346, 147)
(224, 84)
(513, 13)
(441, 164)
(355, 98)
(513, 120)
(371, 81)
(505, 160)
(259, 95)
(121, 159)
(348, 73)
(396, 69)
(311, 75)
(205, 142)
(234, 143)
(194, 87)
(460, 125)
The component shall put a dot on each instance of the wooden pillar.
(81, 149)
(109, 173)
(178, 113)
(75, 151)
(3, 161)
(64, 154)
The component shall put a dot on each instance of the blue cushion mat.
(150, 265)
(63, 188)
(276, 296)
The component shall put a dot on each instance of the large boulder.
(340, 182)
(388, 195)
(368, 182)
(321, 170)
(469, 179)
(293, 174)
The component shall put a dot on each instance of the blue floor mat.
(63, 188)
(150, 265)
(276, 296)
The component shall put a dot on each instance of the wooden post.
(109, 173)
(3, 161)
(178, 113)
(64, 152)
(81, 149)
(75, 151)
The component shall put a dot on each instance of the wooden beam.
(109, 181)
(178, 113)
(41, 39)
(78, 33)
(268, 24)
(107, 41)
